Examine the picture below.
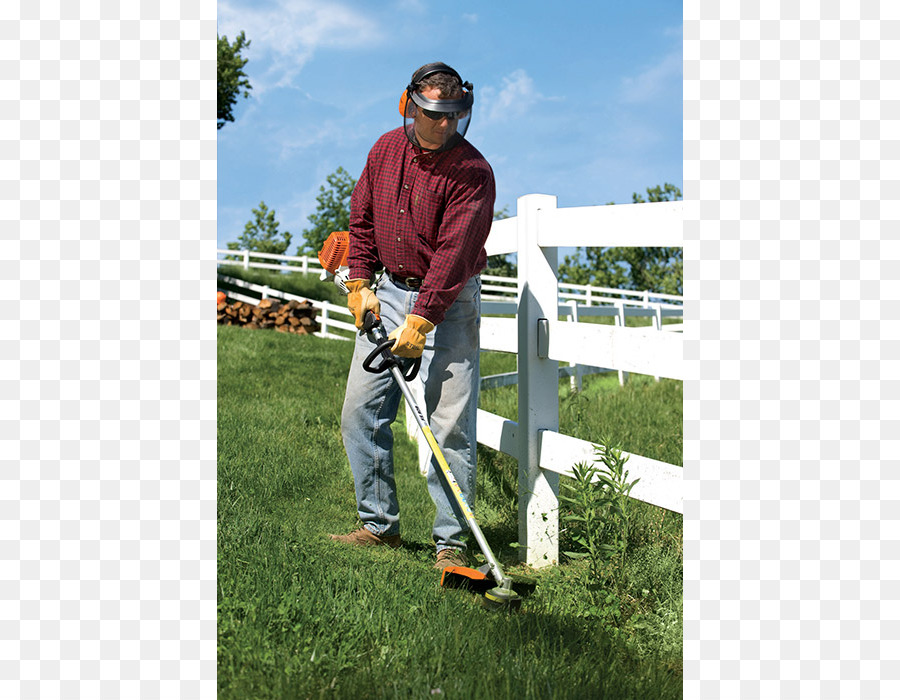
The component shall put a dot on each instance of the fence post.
(247, 259)
(620, 321)
(412, 427)
(657, 321)
(575, 383)
(538, 387)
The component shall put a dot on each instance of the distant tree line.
(655, 269)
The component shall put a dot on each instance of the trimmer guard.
(479, 580)
(466, 578)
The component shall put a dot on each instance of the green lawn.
(301, 616)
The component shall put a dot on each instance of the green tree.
(231, 79)
(332, 212)
(501, 265)
(656, 269)
(261, 233)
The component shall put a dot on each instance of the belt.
(410, 282)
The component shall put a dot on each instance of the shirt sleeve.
(363, 256)
(459, 254)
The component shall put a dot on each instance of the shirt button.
(401, 211)
(415, 160)
(401, 267)
(405, 187)
(398, 239)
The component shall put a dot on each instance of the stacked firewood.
(286, 317)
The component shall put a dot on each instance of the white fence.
(541, 342)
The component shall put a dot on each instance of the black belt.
(409, 282)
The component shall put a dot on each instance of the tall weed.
(597, 516)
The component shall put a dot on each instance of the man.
(422, 210)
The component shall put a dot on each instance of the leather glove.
(409, 339)
(361, 299)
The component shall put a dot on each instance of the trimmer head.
(502, 597)
(478, 581)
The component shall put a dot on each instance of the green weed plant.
(598, 500)
(597, 513)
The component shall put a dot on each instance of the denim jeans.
(450, 376)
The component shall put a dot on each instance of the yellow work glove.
(361, 299)
(409, 339)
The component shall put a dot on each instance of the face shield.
(432, 123)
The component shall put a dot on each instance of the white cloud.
(517, 95)
(285, 34)
(647, 85)
(470, 18)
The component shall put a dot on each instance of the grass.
(301, 616)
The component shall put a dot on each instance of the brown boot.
(451, 557)
(365, 538)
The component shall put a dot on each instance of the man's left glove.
(409, 339)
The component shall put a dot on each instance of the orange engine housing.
(335, 250)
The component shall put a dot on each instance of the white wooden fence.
(541, 342)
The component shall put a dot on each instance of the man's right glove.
(361, 299)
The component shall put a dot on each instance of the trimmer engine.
(333, 257)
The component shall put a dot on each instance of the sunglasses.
(435, 116)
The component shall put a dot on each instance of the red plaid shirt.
(421, 214)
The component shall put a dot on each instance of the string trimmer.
(500, 595)
(333, 258)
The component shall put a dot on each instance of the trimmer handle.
(372, 324)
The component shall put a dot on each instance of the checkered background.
(791, 182)
(107, 350)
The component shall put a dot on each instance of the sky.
(574, 99)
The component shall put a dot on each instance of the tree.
(332, 212)
(658, 270)
(231, 78)
(261, 233)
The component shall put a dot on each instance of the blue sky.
(575, 99)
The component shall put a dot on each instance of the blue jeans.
(450, 376)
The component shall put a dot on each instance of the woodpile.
(286, 317)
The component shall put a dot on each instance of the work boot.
(451, 557)
(366, 538)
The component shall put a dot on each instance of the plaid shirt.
(421, 214)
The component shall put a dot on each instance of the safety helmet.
(457, 110)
